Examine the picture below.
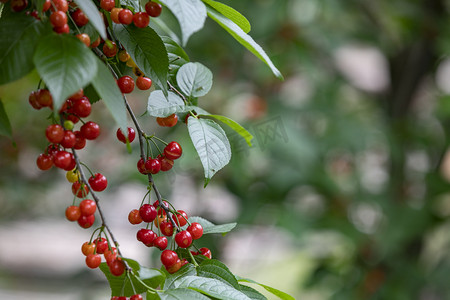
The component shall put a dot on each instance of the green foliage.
(209, 227)
(89, 8)
(194, 79)
(231, 14)
(5, 125)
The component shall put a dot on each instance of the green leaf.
(151, 277)
(231, 14)
(160, 106)
(20, 35)
(235, 126)
(211, 143)
(278, 293)
(209, 227)
(181, 294)
(243, 38)
(90, 30)
(191, 15)
(147, 50)
(211, 287)
(90, 10)
(106, 87)
(194, 79)
(186, 270)
(252, 293)
(5, 125)
(177, 55)
(131, 3)
(65, 65)
(212, 268)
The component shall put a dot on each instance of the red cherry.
(101, 245)
(46, 6)
(125, 16)
(166, 164)
(126, 84)
(80, 141)
(60, 5)
(143, 83)
(183, 239)
(173, 150)
(44, 98)
(110, 49)
(87, 207)
(93, 260)
(72, 164)
(166, 228)
(79, 18)
(147, 213)
(81, 107)
(86, 221)
(160, 242)
(196, 230)
(87, 248)
(121, 137)
(98, 182)
(107, 4)
(54, 133)
(44, 161)
(18, 5)
(134, 217)
(206, 252)
(169, 121)
(115, 14)
(69, 139)
(117, 267)
(169, 258)
(136, 297)
(140, 19)
(96, 43)
(110, 255)
(153, 9)
(32, 99)
(62, 159)
(175, 267)
(90, 130)
(146, 236)
(52, 149)
(80, 190)
(153, 165)
(77, 95)
(73, 213)
(58, 18)
(181, 217)
(141, 167)
(63, 29)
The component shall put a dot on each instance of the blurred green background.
(344, 194)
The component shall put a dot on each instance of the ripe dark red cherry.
(80, 141)
(93, 260)
(146, 236)
(126, 84)
(44, 161)
(62, 159)
(121, 137)
(81, 107)
(173, 150)
(69, 139)
(32, 99)
(46, 6)
(73, 213)
(206, 252)
(54, 133)
(181, 218)
(80, 190)
(134, 217)
(125, 16)
(166, 228)
(153, 165)
(79, 17)
(110, 255)
(147, 213)
(18, 5)
(63, 29)
(87, 207)
(166, 164)
(183, 239)
(107, 4)
(60, 5)
(110, 48)
(101, 245)
(117, 267)
(141, 166)
(140, 19)
(143, 83)
(153, 9)
(169, 121)
(98, 182)
(44, 98)
(196, 230)
(169, 258)
(136, 297)
(58, 18)
(160, 242)
(90, 130)
(86, 221)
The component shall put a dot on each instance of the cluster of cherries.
(158, 216)
(162, 162)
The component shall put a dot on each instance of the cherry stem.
(172, 88)
(193, 259)
(97, 202)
